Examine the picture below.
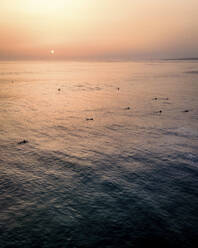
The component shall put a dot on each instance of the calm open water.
(127, 178)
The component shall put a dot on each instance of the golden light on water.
(52, 52)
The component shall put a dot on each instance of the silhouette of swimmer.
(22, 142)
(186, 111)
(127, 108)
(118, 88)
(156, 98)
(89, 119)
(59, 89)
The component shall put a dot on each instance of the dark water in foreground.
(127, 178)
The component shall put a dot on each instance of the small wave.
(183, 132)
(192, 72)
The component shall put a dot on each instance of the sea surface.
(110, 157)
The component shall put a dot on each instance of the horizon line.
(98, 59)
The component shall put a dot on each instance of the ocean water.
(111, 158)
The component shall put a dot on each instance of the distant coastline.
(182, 59)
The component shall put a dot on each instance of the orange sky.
(98, 29)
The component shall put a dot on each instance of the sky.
(98, 29)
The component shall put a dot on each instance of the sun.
(52, 52)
